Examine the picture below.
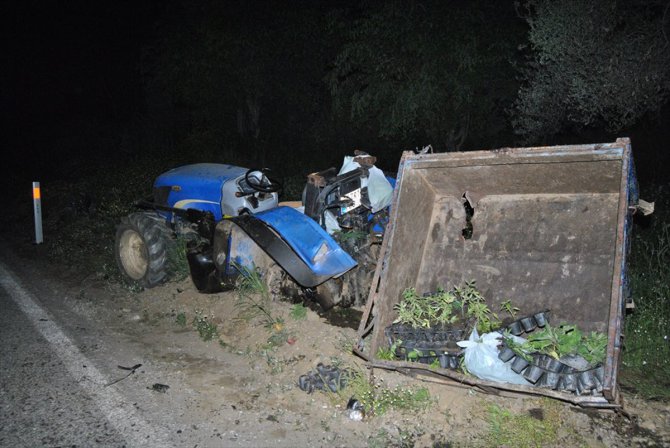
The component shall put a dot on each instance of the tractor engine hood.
(210, 187)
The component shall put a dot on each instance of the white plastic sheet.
(481, 359)
(380, 190)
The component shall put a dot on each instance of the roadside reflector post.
(37, 208)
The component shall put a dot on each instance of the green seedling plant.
(413, 355)
(446, 308)
(418, 311)
(389, 353)
(556, 341)
(561, 341)
(593, 348)
(508, 308)
(253, 298)
(475, 307)
(413, 310)
(520, 349)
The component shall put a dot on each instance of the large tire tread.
(156, 236)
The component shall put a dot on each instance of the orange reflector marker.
(37, 208)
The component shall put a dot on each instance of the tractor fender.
(293, 240)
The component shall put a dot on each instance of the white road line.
(116, 409)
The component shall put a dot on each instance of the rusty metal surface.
(547, 231)
(316, 179)
(617, 304)
(364, 159)
(516, 253)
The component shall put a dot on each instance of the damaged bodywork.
(323, 248)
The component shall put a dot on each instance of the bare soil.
(240, 388)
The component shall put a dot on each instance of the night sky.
(70, 66)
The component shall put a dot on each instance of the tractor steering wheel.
(259, 181)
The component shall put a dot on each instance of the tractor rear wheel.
(141, 248)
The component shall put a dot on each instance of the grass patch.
(278, 336)
(181, 319)
(253, 299)
(85, 243)
(81, 214)
(177, 261)
(205, 328)
(646, 355)
(251, 283)
(537, 428)
(377, 398)
(83, 237)
(253, 303)
(405, 438)
(298, 312)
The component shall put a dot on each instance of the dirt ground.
(241, 387)
(243, 382)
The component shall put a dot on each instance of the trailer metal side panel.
(547, 227)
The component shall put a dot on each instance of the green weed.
(646, 355)
(464, 303)
(536, 429)
(81, 234)
(298, 311)
(205, 328)
(181, 319)
(389, 353)
(251, 282)
(177, 261)
(274, 364)
(78, 243)
(253, 297)
(344, 343)
(377, 398)
(278, 335)
(406, 438)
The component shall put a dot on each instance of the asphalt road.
(51, 394)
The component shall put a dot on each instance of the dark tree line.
(283, 84)
(603, 64)
(296, 85)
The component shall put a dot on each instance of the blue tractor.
(322, 248)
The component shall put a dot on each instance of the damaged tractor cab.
(232, 221)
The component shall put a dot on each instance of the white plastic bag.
(380, 190)
(481, 359)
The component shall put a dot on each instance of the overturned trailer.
(548, 227)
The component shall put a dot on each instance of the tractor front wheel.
(141, 248)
